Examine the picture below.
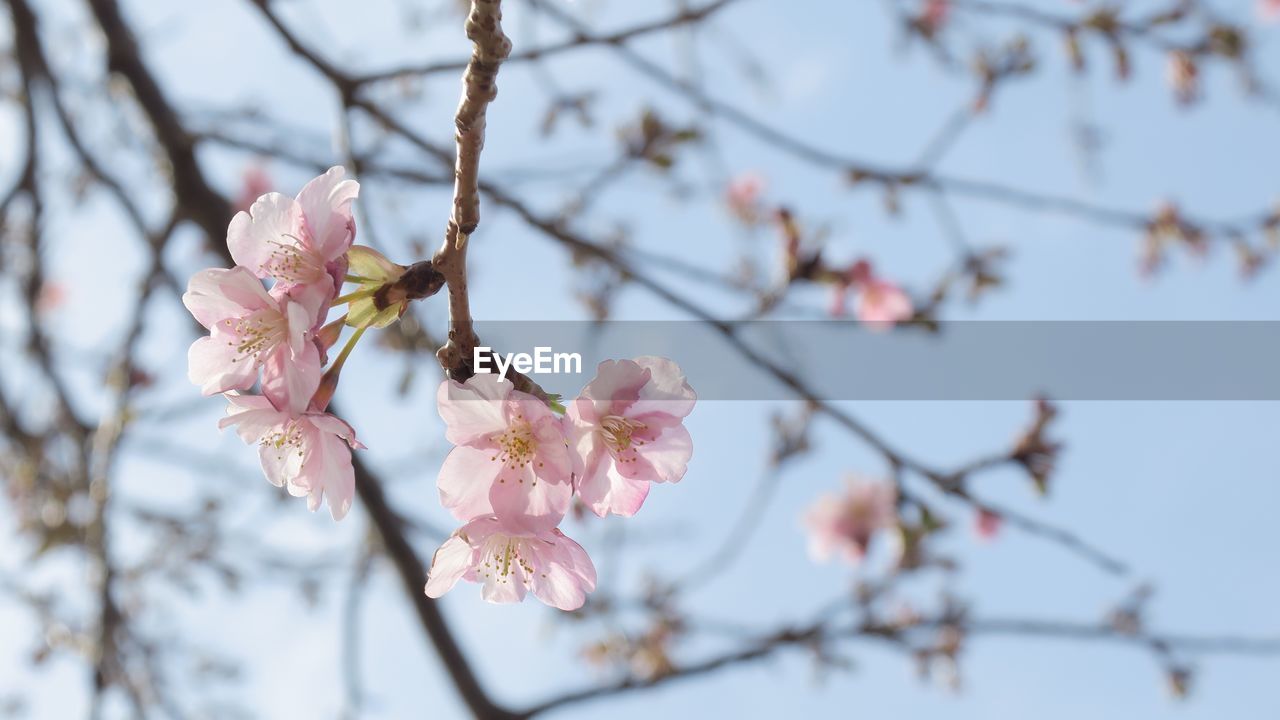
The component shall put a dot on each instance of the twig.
(685, 16)
(479, 88)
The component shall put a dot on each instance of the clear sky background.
(1184, 492)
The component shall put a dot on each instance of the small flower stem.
(354, 295)
(329, 381)
(346, 350)
(355, 279)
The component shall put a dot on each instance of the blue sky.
(1184, 492)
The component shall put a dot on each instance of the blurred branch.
(891, 179)
(413, 576)
(685, 16)
(922, 638)
(194, 197)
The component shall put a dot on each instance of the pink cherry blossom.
(300, 243)
(986, 524)
(51, 296)
(845, 522)
(935, 15)
(547, 563)
(250, 329)
(1184, 76)
(511, 457)
(882, 304)
(254, 183)
(628, 428)
(308, 455)
(1269, 10)
(743, 196)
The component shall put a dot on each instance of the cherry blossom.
(628, 428)
(299, 243)
(250, 329)
(845, 522)
(1184, 76)
(986, 524)
(254, 183)
(934, 15)
(511, 457)
(308, 455)
(880, 304)
(743, 196)
(509, 564)
(1269, 10)
(50, 297)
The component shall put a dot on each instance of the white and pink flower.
(986, 524)
(1269, 10)
(628, 428)
(511, 458)
(251, 329)
(845, 523)
(510, 564)
(309, 454)
(934, 15)
(300, 243)
(254, 183)
(743, 195)
(880, 304)
(1183, 75)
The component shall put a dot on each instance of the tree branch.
(479, 88)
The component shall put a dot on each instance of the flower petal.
(300, 320)
(214, 365)
(253, 416)
(326, 205)
(282, 465)
(554, 461)
(667, 454)
(465, 478)
(217, 294)
(473, 411)
(290, 382)
(615, 387)
(504, 587)
(593, 485)
(334, 425)
(562, 571)
(526, 504)
(307, 303)
(616, 493)
(255, 237)
(450, 562)
(330, 474)
(667, 391)
(370, 264)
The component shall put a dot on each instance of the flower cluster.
(266, 320)
(517, 466)
(845, 523)
(519, 460)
